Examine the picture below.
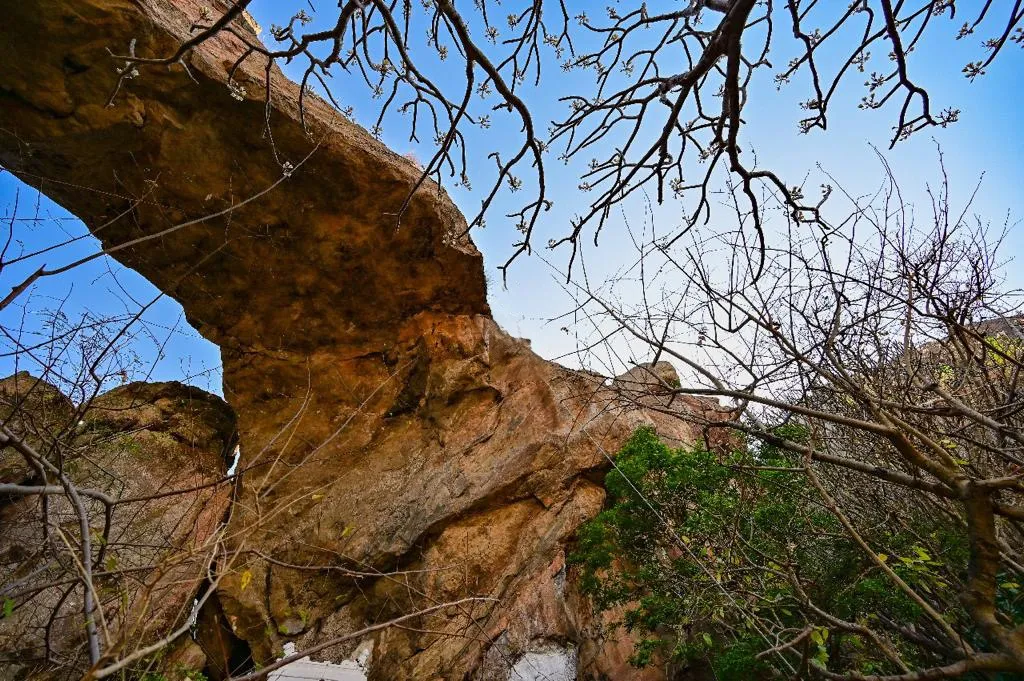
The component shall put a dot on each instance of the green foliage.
(702, 551)
(177, 673)
(738, 661)
(1002, 346)
(194, 675)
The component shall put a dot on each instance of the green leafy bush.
(719, 557)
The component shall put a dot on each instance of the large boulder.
(160, 450)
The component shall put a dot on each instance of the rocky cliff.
(398, 448)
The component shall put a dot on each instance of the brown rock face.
(135, 441)
(35, 411)
(387, 425)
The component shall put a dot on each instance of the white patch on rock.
(546, 662)
(363, 653)
(305, 669)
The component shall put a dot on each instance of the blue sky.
(988, 139)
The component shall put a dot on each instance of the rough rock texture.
(386, 423)
(135, 441)
(35, 411)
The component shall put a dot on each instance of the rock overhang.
(323, 258)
